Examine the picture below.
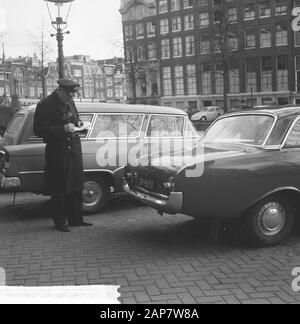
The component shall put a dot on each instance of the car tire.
(269, 222)
(95, 195)
(203, 118)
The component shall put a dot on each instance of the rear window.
(165, 126)
(15, 125)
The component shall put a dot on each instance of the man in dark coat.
(55, 120)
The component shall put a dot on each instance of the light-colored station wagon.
(116, 131)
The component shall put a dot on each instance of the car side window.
(165, 126)
(117, 126)
(293, 139)
(32, 139)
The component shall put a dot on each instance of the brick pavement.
(154, 259)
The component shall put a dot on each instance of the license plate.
(147, 184)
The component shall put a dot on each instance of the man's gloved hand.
(69, 128)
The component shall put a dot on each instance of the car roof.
(117, 108)
(280, 111)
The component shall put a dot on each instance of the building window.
(162, 6)
(128, 32)
(187, 3)
(176, 24)
(151, 51)
(251, 83)
(167, 81)
(282, 72)
(206, 79)
(165, 48)
(281, 34)
(204, 3)
(177, 47)
(217, 16)
(232, 15)
(219, 78)
(189, 45)
(179, 81)
(281, 7)
(264, 9)
(233, 43)
(191, 79)
(109, 93)
(140, 52)
(151, 28)
(234, 80)
(175, 5)
(250, 41)
(129, 53)
(188, 22)
(249, 11)
(139, 30)
(164, 26)
(204, 19)
(265, 37)
(266, 73)
(204, 44)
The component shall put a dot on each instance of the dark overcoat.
(63, 154)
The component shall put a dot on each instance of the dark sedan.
(246, 166)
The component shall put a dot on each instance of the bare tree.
(43, 50)
(225, 45)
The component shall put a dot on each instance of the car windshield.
(248, 129)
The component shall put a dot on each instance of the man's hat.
(68, 85)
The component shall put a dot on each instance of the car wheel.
(203, 118)
(95, 195)
(270, 221)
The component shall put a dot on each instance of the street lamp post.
(60, 24)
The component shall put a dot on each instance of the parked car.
(116, 130)
(208, 114)
(248, 168)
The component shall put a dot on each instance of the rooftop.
(119, 108)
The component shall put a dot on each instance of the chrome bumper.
(9, 183)
(172, 206)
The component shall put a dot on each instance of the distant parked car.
(115, 130)
(209, 114)
(247, 167)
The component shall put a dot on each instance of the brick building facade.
(180, 37)
(99, 81)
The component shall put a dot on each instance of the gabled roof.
(125, 5)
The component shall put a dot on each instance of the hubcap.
(92, 193)
(271, 218)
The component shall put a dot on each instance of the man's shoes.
(63, 228)
(80, 224)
